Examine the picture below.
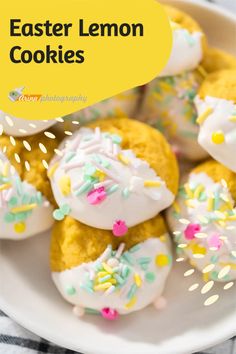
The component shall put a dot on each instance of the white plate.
(28, 295)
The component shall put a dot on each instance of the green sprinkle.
(112, 189)
(216, 201)
(119, 279)
(89, 169)
(126, 192)
(70, 290)
(214, 275)
(150, 277)
(9, 218)
(116, 139)
(144, 260)
(106, 164)
(126, 257)
(22, 216)
(90, 311)
(84, 188)
(104, 279)
(125, 271)
(12, 202)
(65, 209)
(18, 186)
(87, 288)
(132, 291)
(26, 199)
(134, 249)
(203, 197)
(58, 215)
(69, 156)
(39, 198)
(144, 266)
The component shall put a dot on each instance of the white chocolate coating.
(187, 52)
(223, 120)
(169, 107)
(139, 274)
(14, 193)
(210, 207)
(92, 160)
(19, 127)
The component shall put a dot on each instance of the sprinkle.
(84, 188)
(207, 287)
(53, 170)
(103, 286)
(109, 314)
(49, 135)
(120, 250)
(228, 285)
(87, 288)
(70, 290)
(97, 196)
(45, 164)
(58, 215)
(151, 184)
(23, 208)
(119, 228)
(144, 260)
(105, 278)
(191, 231)
(126, 257)
(123, 159)
(232, 119)
(137, 280)
(73, 166)
(112, 189)
(204, 115)
(198, 191)
(65, 185)
(210, 204)
(218, 137)
(202, 71)
(110, 290)
(150, 277)
(5, 186)
(19, 227)
(134, 249)
(193, 287)
(42, 148)
(107, 268)
(132, 291)
(208, 268)
(162, 260)
(125, 192)
(131, 303)
(189, 272)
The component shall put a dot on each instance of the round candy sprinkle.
(214, 241)
(70, 290)
(58, 215)
(78, 311)
(191, 230)
(162, 260)
(96, 196)
(119, 228)
(218, 137)
(109, 314)
(19, 227)
(150, 277)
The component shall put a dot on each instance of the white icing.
(218, 120)
(39, 220)
(141, 204)
(22, 127)
(195, 214)
(147, 293)
(169, 107)
(186, 53)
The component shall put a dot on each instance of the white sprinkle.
(208, 268)
(106, 254)
(61, 120)
(181, 259)
(27, 165)
(224, 271)
(184, 221)
(75, 122)
(43, 148)
(120, 250)
(228, 285)
(49, 135)
(12, 140)
(182, 245)
(45, 164)
(103, 184)
(32, 125)
(17, 157)
(9, 121)
(189, 272)
(207, 287)
(68, 133)
(22, 131)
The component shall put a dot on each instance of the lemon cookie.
(25, 193)
(216, 106)
(99, 273)
(114, 170)
(203, 220)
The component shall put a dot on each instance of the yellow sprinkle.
(5, 186)
(157, 96)
(103, 286)
(6, 168)
(231, 217)
(113, 281)
(202, 71)
(188, 191)
(137, 280)
(162, 260)
(131, 303)
(123, 159)
(23, 208)
(233, 119)
(107, 268)
(206, 277)
(19, 227)
(162, 238)
(65, 185)
(151, 184)
(210, 204)
(198, 249)
(218, 138)
(165, 87)
(198, 191)
(190, 203)
(204, 115)
(102, 274)
(53, 170)
(100, 175)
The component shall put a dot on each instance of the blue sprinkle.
(132, 291)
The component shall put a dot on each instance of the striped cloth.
(17, 340)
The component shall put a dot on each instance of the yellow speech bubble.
(58, 57)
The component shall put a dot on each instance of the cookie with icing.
(203, 220)
(99, 273)
(216, 107)
(26, 200)
(189, 43)
(169, 104)
(114, 170)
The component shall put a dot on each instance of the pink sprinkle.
(191, 230)
(119, 228)
(109, 314)
(96, 196)
(215, 241)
